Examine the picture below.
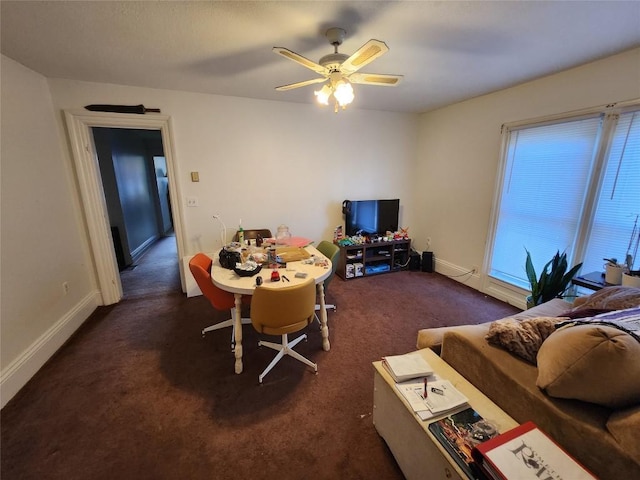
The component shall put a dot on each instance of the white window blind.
(618, 203)
(571, 185)
(545, 179)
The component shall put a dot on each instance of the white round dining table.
(230, 281)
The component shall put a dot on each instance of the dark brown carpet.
(138, 393)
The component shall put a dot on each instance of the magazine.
(459, 433)
(526, 452)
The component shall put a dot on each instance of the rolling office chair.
(200, 266)
(281, 311)
(253, 234)
(332, 252)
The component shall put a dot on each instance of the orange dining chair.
(200, 266)
(281, 311)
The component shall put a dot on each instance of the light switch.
(195, 177)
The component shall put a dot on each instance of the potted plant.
(613, 271)
(553, 281)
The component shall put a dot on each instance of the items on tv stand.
(373, 258)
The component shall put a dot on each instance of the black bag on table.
(229, 258)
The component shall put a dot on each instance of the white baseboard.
(459, 274)
(19, 372)
(507, 293)
(493, 288)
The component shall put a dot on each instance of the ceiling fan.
(339, 71)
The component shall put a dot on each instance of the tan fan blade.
(365, 55)
(305, 62)
(300, 84)
(375, 79)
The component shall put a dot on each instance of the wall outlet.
(475, 269)
(428, 243)
(65, 288)
(192, 202)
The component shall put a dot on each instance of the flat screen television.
(371, 217)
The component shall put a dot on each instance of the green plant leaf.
(554, 278)
(533, 278)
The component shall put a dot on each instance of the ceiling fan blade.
(363, 56)
(380, 79)
(300, 84)
(305, 62)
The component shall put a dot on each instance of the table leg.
(323, 319)
(238, 332)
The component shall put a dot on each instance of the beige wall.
(459, 150)
(265, 162)
(269, 163)
(42, 240)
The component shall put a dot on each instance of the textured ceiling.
(447, 51)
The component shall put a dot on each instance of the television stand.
(374, 258)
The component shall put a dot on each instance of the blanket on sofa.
(615, 306)
(626, 320)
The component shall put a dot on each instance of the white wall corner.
(24, 367)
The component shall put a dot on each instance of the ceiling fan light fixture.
(340, 70)
(322, 95)
(343, 93)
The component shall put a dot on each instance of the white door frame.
(79, 124)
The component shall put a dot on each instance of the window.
(570, 184)
(618, 203)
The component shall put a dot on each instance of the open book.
(405, 367)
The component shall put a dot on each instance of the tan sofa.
(606, 439)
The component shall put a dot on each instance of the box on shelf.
(358, 267)
(379, 268)
(349, 270)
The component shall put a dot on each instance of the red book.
(526, 452)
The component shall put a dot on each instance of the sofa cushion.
(624, 425)
(592, 363)
(432, 337)
(522, 338)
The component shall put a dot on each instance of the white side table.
(418, 453)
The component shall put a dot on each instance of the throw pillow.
(608, 298)
(592, 363)
(522, 338)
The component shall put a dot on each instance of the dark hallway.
(155, 273)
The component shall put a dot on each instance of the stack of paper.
(423, 399)
(408, 366)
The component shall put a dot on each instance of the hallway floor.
(156, 273)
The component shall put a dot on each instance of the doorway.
(80, 124)
(136, 188)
